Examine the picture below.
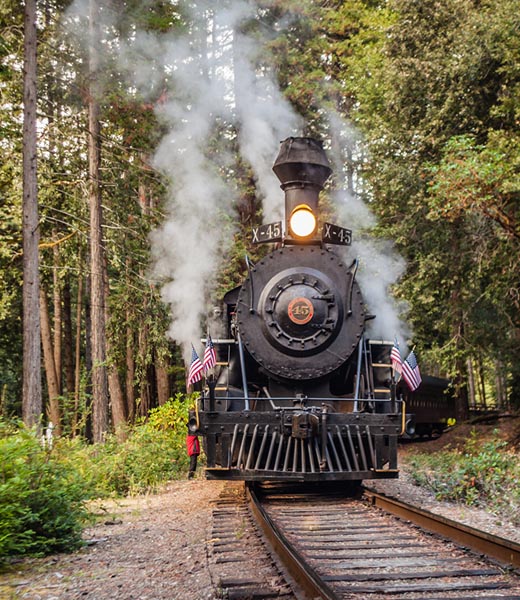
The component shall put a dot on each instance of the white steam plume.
(213, 80)
(380, 265)
(265, 118)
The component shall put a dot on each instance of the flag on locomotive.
(195, 373)
(408, 369)
(411, 372)
(210, 356)
(196, 368)
(395, 357)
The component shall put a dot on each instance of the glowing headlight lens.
(302, 221)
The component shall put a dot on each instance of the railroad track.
(243, 565)
(347, 547)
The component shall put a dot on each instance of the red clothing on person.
(192, 444)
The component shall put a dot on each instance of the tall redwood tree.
(32, 387)
(98, 333)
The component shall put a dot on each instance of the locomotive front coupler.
(301, 422)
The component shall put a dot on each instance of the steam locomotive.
(301, 392)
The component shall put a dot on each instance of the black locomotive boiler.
(301, 393)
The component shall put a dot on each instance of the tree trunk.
(500, 385)
(163, 384)
(77, 365)
(57, 313)
(130, 370)
(98, 333)
(89, 405)
(117, 400)
(50, 368)
(482, 384)
(68, 351)
(471, 384)
(32, 386)
(145, 383)
(460, 378)
(144, 387)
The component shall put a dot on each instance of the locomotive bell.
(302, 168)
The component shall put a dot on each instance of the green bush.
(42, 499)
(485, 475)
(153, 453)
(43, 493)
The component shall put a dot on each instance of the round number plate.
(300, 310)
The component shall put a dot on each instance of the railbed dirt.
(159, 546)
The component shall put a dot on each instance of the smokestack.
(302, 168)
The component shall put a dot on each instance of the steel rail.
(303, 574)
(505, 551)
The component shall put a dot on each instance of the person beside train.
(193, 448)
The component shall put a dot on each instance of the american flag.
(210, 357)
(196, 367)
(395, 357)
(411, 373)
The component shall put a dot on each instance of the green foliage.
(483, 180)
(474, 188)
(438, 113)
(42, 496)
(43, 492)
(138, 465)
(153, 453)
(172, 415)
(486, 475)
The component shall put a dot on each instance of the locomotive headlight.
(302, 221)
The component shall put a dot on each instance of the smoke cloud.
(207, 77)
(212, 80)
(379, 264)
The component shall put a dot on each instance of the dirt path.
(146, 548)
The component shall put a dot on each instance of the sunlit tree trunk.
(117, 400)
(130, 370)
(58, 313)
(461, 377)
(77, 354)
(482, 384)
(471, 383)
(89, 408)
(162, 380)
(500, 385)
(142, 336)
(50, 367)
(32, 389)
(457, 326)
(98, 333)
(144, 386)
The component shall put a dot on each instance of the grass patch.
(482, 474)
